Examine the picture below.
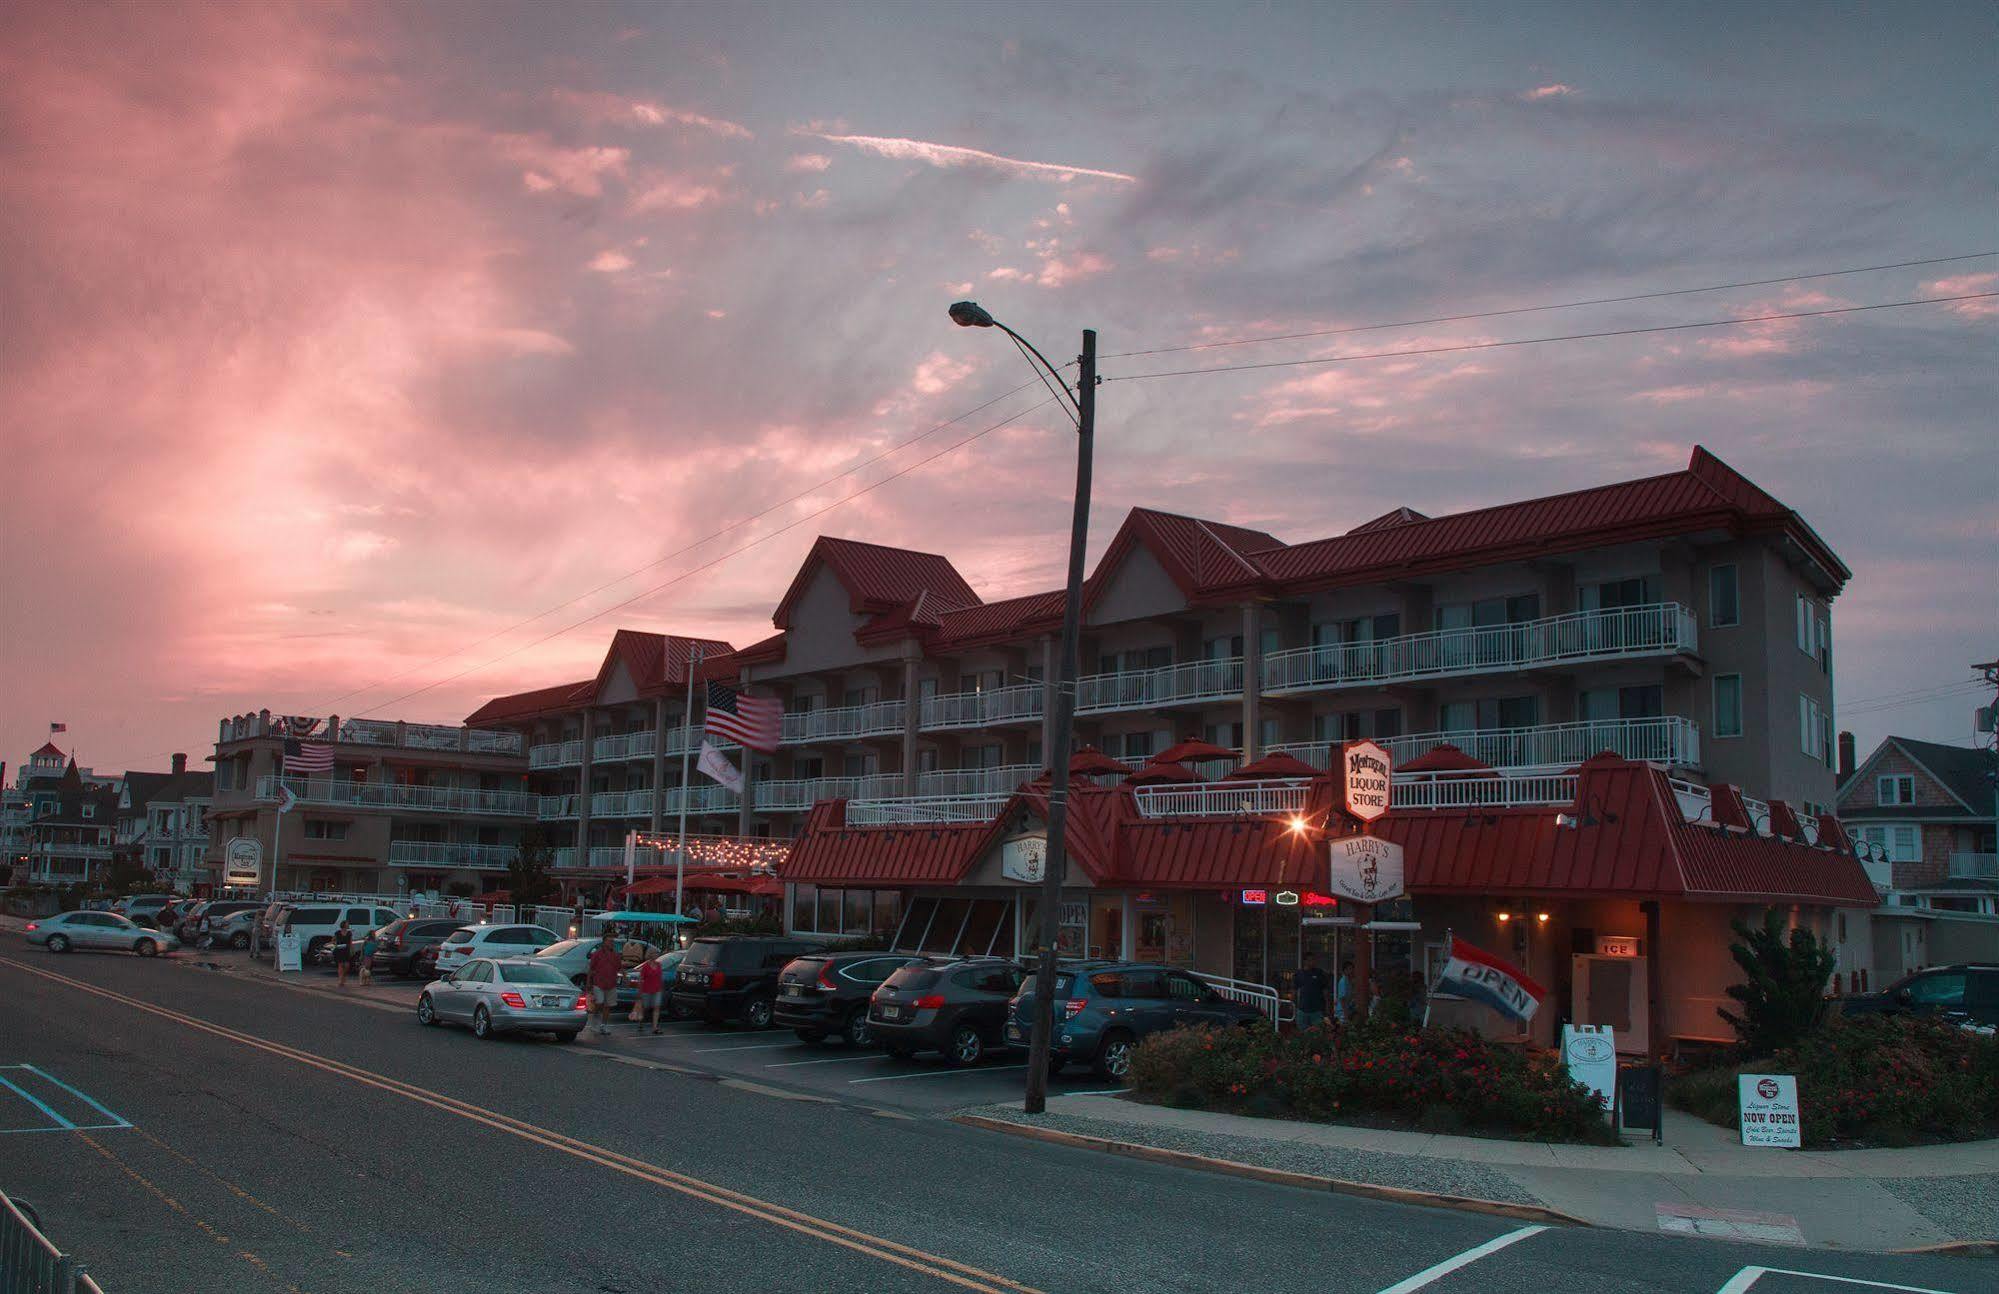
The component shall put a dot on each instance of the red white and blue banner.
(1476, 974)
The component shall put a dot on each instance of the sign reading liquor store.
(1369, 773)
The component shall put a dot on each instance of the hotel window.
(860, 765)
(807, 767)
(1223, 648)
(926, 688)
(1492, 712)
(985, 680)
(1223, 734)
(1899, 789)
(1489, 611)
(807, 702)
(926, 760)
(321, 829)
(1815, 631)
(1608, 595)
(1270, 731)
(1811, 727)
(1356, 724)
(1599, 704)
(1728, 705)
(1270, 640)
(866, 694)
(985, 756)
(1724, 597)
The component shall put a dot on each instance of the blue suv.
(1103, 1009)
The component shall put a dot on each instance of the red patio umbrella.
(1444, 758)
(1088, 761)
(1271, 767)
(1163, 775)
(1192, 750)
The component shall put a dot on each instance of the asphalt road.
(282, 1140)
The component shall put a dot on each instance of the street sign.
(1365, 869)
(1590, 1052)
(1024, 859)
(1369, 773)
(288, 953)
(243, 861)
(1768, 1104)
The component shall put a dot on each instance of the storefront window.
(858, 919)
(804, 901)
(943, 935)
(829, 912)
(922, 914)
(888, 911)
(981, 926)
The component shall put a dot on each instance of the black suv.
(1964, 994)
(399, 946)
(827, 993)
(734, 977)
(954, 1007)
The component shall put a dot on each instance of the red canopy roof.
(1163, 775)
(1444, 758)
(1088, 761)
(1192, 750)
(1281, 764)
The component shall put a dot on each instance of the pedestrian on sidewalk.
(652, 989)
(343, 950)
(606, 965)
(1309, 992)
(368, 942)
(1343, 993)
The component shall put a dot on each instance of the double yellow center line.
(860, 1242)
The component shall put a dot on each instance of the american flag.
(55, 728)
(755, 721)
(308, 757)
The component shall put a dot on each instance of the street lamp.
(968, 314)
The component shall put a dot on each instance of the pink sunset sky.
(337, 340)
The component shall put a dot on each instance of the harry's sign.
(1366, 869)
(1369, 773)
(1024, 859)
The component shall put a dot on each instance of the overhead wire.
(1556, 305)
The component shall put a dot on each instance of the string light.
(754, 852)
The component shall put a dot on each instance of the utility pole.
(686, 752)
(1058, 759)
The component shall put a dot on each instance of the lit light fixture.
(1297, 824)
(1542, 917)
(1506, 916)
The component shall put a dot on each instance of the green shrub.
(1375, 1070)
(1784, 983)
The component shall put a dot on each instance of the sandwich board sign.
(1368, 772)
(1590, 1052)
(288, 952)
(1365, 869)
(1768, 1105)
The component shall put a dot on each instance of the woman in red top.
(652, 989)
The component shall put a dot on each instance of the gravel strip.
(1965, 1207)
(1379, 1168)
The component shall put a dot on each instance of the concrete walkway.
(1701, 1182)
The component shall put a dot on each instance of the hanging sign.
(1590, 1052)
(1369, 772)
(1365, 869)
(1024, 859)
(243, 861)
(1768, 1105)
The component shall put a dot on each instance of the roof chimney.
(180, 762)
(1845, 755)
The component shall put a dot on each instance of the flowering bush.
(1875, 1079)
(1379, 1070)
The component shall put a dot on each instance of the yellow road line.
(861, 1242)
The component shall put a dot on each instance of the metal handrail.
(980, 708)
(1199, 680)
(30, 1263)
(396, 795)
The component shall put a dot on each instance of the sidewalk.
(1701, 1182)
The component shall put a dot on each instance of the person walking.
(1343, 993)
(1309, 993)
(606, 965)
(343, 951)
(652, 990)
(368, 944)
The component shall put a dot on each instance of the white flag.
(716, 765)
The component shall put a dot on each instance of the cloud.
(600, 108)
(951, 156)
(675, 193)
(1557, 90)
(807, 162)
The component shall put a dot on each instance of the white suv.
(461, 946)
(314, 924)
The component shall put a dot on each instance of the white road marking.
(1432, 1274)
(1748, 1276)
(830, 1060)
(755, 1046)
(937, 1073)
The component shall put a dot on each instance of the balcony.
(426, 736)
(1510, 788)
(390, 795)
(1581, 637)
(1974, 867)
(622, 804)
(1143, 689)
(629, 745)
(876, 719)
(425, 853)
(1021, 703)
(556, 754)
(799, 794)
(1670, 740)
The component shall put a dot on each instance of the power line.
(688, 574)
(678, 552)
(1542, 341)
(1911, 691)
(1557, 305)
(1964, 692)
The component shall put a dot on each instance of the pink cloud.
(950, 156)
(1557, 90)
(614, 109)
(1962, 285)
(807, 162)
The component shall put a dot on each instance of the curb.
(1279, 1176)
(1955, 1249)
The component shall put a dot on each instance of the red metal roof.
(998, 621)
(1194, 553)
(529, 705)
(48, 748)
(1444, 758)
(877, 578)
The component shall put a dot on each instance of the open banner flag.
(1476, 974)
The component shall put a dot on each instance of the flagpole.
(686, 752)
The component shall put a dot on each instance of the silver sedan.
(505, 996)
(70, 930)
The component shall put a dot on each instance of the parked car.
(202, 921)
(71, 930)
(468, 942)
(734, 977)
(505, 995)
(669, 966)
(1963, 994)
(572, 956)
(270, 921)
(314, 924)
(827, 993)
(141, 909)
(232, 930)
(1103, 1009)
(956, 1007)
(400, 945)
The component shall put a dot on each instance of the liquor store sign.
(1369, 773)
(1769, 1110)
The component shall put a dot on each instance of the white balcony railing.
(1220, 799)
(427, 853)
(626, 745)
(1974, 867)
(1022, 702)
(555, 754)
(1506, 789)
(1670, 740)
(876, 719)
(1138, 689)
(1003, 780)
(798, 794)
(700, 799)
(389, 795)
(426, 736)
(925, 808)
(622, 804)
(1664, 628)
